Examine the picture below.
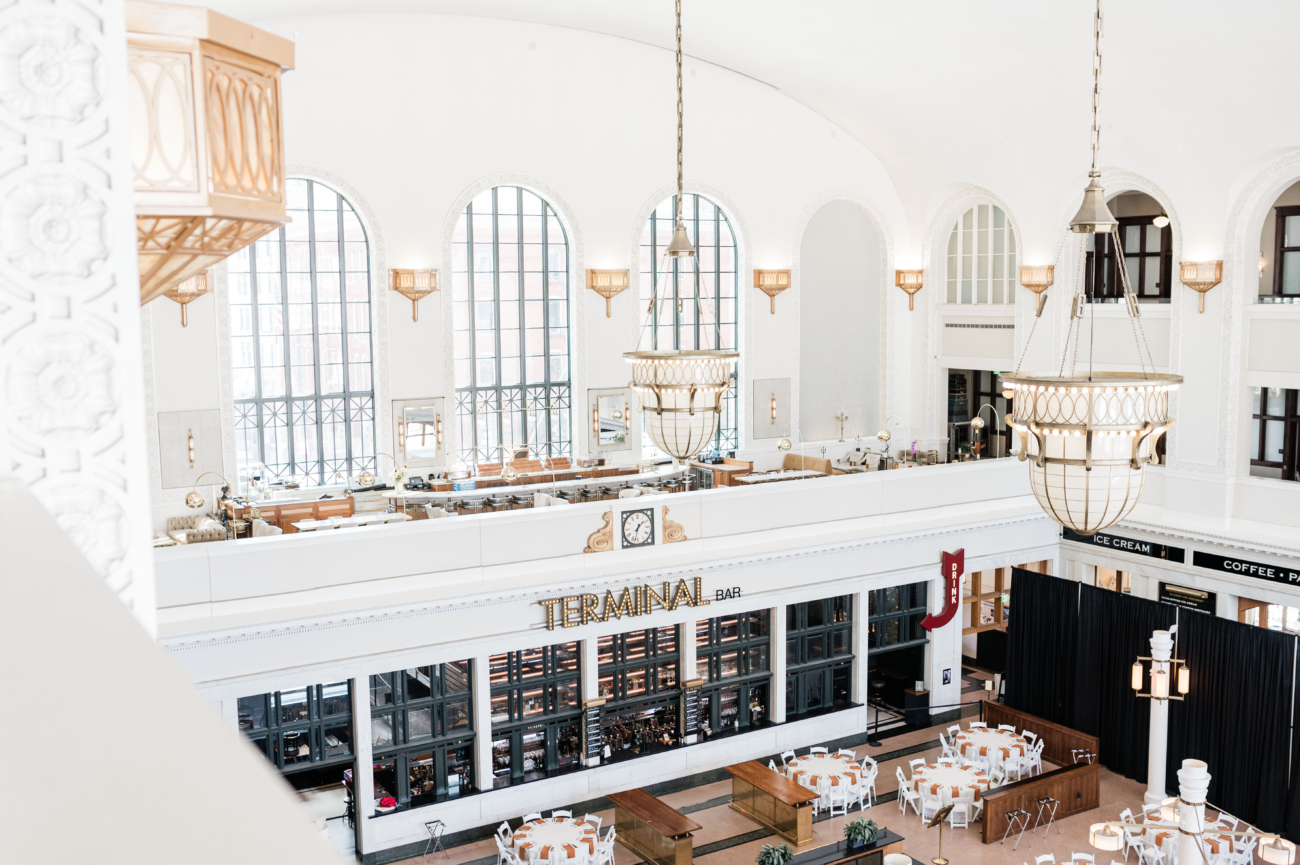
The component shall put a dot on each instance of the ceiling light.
(1160, 221)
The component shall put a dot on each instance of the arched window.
(982, 257)
(510, 307)
(697, 308)
(301, 346)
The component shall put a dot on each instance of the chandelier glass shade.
(681, 394)
(1089, 440)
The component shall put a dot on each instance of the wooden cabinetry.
(724, 473)
(286, 514)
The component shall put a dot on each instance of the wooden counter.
(285, 514)
(773, 800)
(724, 473)
(1059, 742)
(653, 830)
(1077, 788)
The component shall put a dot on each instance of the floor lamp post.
(1166, 671)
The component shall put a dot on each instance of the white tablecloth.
(538, 837)
(948, 782)
(821, 772)
(997, 745)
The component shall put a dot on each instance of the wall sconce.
(1263, 263)
(187, 292)
(208, 138)
(1038, 278)
(772, 283)
(773, 408)
(909, 281)
(189, 438)
(414, 285)
(607, 283)
(1200, 276)
(438, 427)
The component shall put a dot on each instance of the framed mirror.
(420, 428)
(609, 419)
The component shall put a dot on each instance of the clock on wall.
(638, 528)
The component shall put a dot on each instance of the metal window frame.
(315, 724)
(556, 394)
(802, 631)
(1009, 257)
(352, 463)
(1111, 289)
(1290, 419)
(1280, 247)
(653, 658)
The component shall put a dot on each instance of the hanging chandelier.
(1090, 436)
(681, 390)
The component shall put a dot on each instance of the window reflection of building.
(819, 656)
(731, 656)
(305, 732)
(536, 705)
(421, 728)
(638, 675)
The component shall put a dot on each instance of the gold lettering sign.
(575, 610)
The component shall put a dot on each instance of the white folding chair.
(503, 855)
(982, 763)
(1082, 857)
(561, 814)
(906, 795)
(947, 761)
(954, 729)
(945, 749)
(839, 800)
(858, 793)
(868, 784)
(536, 815)
(435, 828)
(1134, 837)
(817, 749)
(974, 807)
(959, 816)
(1045, 859)
(1011, 766)
(594, 820)
(786, 757)
(609, 832)
(771, 764)
(978, 725)
(1007, 728)
(912, 764)
(845, 752)
(1150, 854)
(504, 833)
(1029, 737)
(1126, 816)
(1035, 757)
(930, 806)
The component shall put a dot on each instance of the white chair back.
(817, 750)
(845, 752)
(1029, 737)
(771, 764)
(536, 815)
(1007, 728)
(954, 729)
(594, 821)
(978, 725)
(561, 813)
(787, 756)
(1082, 857)
(1045, 859)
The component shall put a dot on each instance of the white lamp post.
(1163, 667)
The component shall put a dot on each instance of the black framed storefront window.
(895, 639)
(306, 732)
(1274, 432)
(731, 656)
(422, 733)
(640, 677)
(819, 656)
(536, 713)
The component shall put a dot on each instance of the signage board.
(1126, 545)
(952, 567)
(1246, 568)
(1188, 599)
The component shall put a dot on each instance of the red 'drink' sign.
(954, 565)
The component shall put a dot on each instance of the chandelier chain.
(679, 106)
(1096, 86)
(1131, 299)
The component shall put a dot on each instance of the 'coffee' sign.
(575, 610)
(1259, 570)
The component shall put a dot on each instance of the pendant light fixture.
(681, 390)
(1090, 436)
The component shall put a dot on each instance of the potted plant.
(860, 832)
(775, 854)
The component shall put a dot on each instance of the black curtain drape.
(1042, 639)
(1237, 716)
(1114, 629)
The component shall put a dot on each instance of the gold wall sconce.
(1200, 276)
(187, 292)
(207, 135)
(1038, 278)
(414, 285)
(607, 283)
(189, 442)
(773, 408)
(772, 283)
(911, 282)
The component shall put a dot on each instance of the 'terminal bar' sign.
(575, 610)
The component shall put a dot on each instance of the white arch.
(577, 316)
(1241, 238)
(935, 257)
(744, 312)
(887, 393)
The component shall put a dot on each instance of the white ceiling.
(954, 91)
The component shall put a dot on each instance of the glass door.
(532, 747)
(502, 764)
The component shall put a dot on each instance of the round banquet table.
(997, 745)
(949, 782)
(821, 772)
(536, 839)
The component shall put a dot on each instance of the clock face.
(638, 528)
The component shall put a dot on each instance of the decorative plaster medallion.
(53, 227)
(50, 72)
(61, 386)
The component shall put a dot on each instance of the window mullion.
(285, 359)
(546, 324)
(257, 353)
(315, 328)
(473, 330)
(496, 317)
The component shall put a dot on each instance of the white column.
(861, 607)
(1193, 784)
(686, 650)
(1162, 646)
(776, 659)
(363, 771)
(481, 684)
